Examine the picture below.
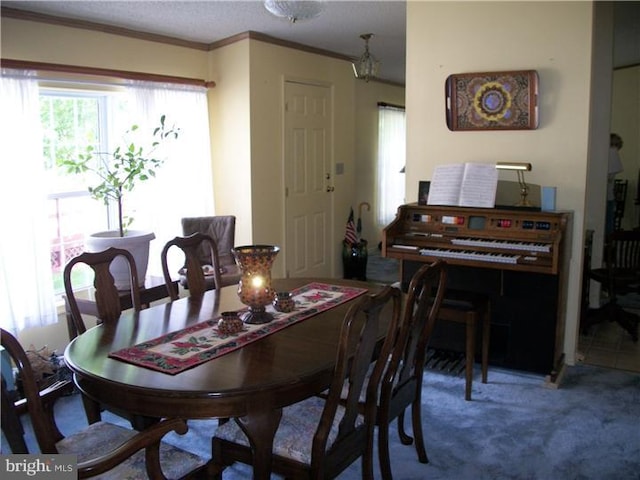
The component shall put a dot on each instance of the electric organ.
(514, 256)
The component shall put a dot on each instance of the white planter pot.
(135, 241)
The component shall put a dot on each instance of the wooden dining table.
(251, 384)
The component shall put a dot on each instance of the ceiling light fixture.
(295, 10)
(367, 66)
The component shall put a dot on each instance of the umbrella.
(359, 227)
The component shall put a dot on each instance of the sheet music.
(479, 185)
(445, 185)
(464, 185)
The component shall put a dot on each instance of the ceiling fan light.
(367, 66)
(295, 10)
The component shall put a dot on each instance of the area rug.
(514, 428)
(178, 351)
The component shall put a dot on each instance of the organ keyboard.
(494, 238)
(515, 257)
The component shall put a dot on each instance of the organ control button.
(452, 220)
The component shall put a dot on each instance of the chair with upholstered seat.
(196, 279)
(619, 275)
(401, 385)
(103, 449)
(108, 306)
(107, 296)
(222, 228)
(320, 437)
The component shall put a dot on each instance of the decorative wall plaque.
(492, 100)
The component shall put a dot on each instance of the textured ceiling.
(337, 29)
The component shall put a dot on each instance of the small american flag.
(350, 235)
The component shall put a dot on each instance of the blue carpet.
(381, 269)
(515, 428)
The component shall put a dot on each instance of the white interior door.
(308, 180)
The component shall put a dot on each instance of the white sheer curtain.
(26, 285)
(391, 162)
(183, 186)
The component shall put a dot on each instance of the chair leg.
(11, 425)
(405, 439)
(383, 444)
(628, 321)
(367, 458)
(383, 453)
(594, 316)
(212, 471)
(486, 332)
(470, 355)
(416, 418)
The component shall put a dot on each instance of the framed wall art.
(492, 100)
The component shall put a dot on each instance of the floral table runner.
(178, 351)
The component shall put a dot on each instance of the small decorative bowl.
(284, 302)
(230, 323)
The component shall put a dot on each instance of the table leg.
(260, 428)
(92, 409)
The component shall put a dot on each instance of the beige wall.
(230, 120)
(553, 38)
(247, 132)
(600, 121)
(40, 42)
(245, 113)
(239, 139)
(271, 66)
(366, 147)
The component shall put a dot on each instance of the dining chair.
(103, 449)
(619, 275)
(107, 296)
(222, 228)
(320, 437)
(195, 279)
(401, 384)
(107, 304)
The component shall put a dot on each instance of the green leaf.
(121, 169)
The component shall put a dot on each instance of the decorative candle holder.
(284, 302)
(230, 323)
(254, 288)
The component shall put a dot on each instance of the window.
(52, 211)
(70, 121)
(391, 162)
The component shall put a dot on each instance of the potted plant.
(117, 173)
